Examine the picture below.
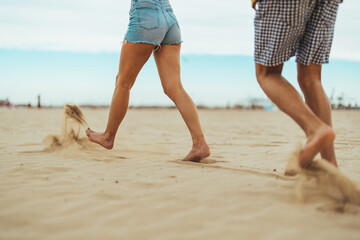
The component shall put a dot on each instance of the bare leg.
(132, 59)
(319, 135)
(168, 63)
(309, 78)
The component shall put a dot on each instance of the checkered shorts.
(285, 28)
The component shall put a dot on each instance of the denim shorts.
(301, 28)
(154, 22)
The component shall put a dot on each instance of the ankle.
(108, 136)
(314, 128)
(199, 141)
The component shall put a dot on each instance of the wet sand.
(142, 190)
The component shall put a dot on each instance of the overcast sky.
(208, 26)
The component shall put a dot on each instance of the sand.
(142, 190)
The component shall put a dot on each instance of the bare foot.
(316, 142)
(198, 153)
(102, 139)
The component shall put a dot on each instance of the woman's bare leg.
(319, 135)
(309, 78)
(132, 58)
(168, 63)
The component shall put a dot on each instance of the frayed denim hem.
(172, 43)
(126, 40)
(158, 46)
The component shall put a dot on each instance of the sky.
(47, 44)
(208, 26)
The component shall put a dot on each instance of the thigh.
(263, 71)
(168, 63)
(132, 58)
(316, 42)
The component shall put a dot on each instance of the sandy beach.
(142, 190)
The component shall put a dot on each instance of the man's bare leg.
(282, 93)
(168, 63)
(309, 78)
(132, 58)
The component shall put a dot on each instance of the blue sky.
(88, 78)
(66, 50)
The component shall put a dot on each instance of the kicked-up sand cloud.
(329, 182)
(70, 136)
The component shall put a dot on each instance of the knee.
(309, 77)
(264, 72)
(123, 83)
(260, 75)
(308, 83)
(172, 91)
